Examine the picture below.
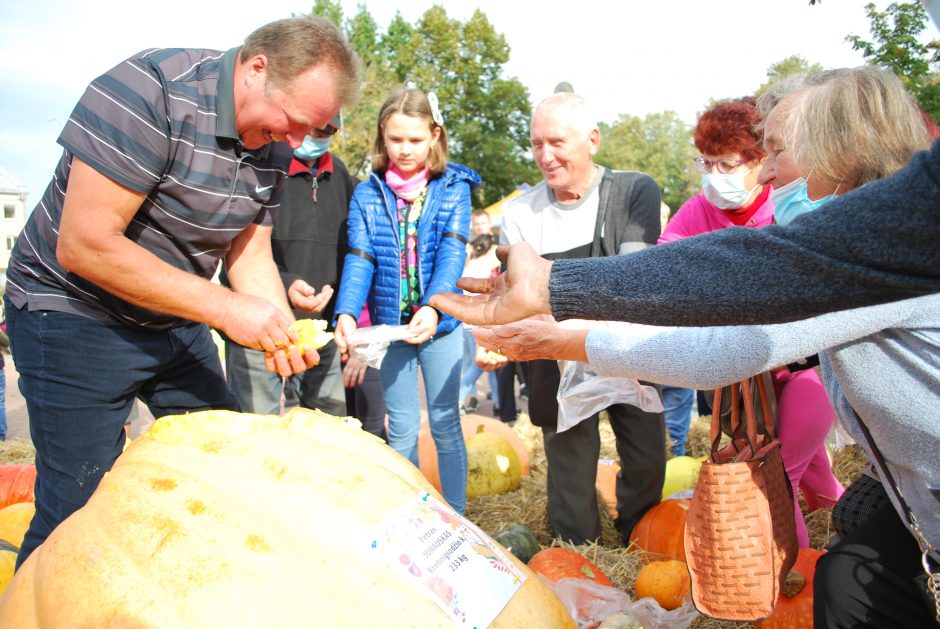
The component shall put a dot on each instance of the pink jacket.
(698, 216)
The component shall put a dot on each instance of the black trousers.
(868, 578)
(366, 402)
(506, 387)
(572, 461)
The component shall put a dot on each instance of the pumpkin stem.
(479, 428)
(793, 584)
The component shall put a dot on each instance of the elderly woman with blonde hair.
(836, 131)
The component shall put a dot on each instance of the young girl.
(407, 233)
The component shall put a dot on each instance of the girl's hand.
(345, 326)
(423, 325)
(354, 372)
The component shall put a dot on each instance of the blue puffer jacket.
(373, 265)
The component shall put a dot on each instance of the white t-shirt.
(537, 218)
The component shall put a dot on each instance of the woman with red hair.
(730, 160)
(732, 154)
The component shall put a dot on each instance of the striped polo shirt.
(160, 123)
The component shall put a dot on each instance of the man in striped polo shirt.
(174, 161)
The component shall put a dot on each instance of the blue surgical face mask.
(792, 200)
(726, 192)
(312, 148)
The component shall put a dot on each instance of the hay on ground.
(17, 452)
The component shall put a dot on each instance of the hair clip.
(435, 109)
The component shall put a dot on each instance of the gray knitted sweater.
(882, 360)
(878, 243)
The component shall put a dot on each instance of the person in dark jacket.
(309, 244)
(408, 227)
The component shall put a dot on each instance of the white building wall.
(13, 218)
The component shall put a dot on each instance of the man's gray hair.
(576, 109)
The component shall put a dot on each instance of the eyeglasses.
(326, 132)
(725, 166)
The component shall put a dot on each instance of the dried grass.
(16, 452)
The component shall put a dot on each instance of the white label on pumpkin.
(457, 565)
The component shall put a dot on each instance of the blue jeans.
(677, 409)
(471, 373)
(259, 390)
(439, 359)
(80, 377)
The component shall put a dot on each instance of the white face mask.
(727, 192)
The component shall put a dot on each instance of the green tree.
(896, 44)
(485, 113)
(659, 145)
(794, 64)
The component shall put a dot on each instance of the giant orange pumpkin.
(794, 609)
(14, 522)
(221, 519)
(560, 563)
(660, 533)
(16, 484)
(470, 423)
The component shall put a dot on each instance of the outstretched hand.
(520, 292)
(536, 338)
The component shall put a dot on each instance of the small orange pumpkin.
(558, 563)
(794, 609)
(665, 581)
(660, 533)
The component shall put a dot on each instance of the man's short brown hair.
(296, 44)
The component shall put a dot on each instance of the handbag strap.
(739, 390)
(770, 420)
(933, 578)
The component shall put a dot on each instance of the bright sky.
(627, 57)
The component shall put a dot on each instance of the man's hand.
(287, 362)
(304, 297)
(423, 325)
(258, 324)
(520, 292)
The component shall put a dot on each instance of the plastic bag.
(582, 393)
(651, 615)
(370, 344)
(590, 603)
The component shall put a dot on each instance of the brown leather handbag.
(740, 535)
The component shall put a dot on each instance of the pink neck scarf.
(406, 189)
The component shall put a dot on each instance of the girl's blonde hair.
(410, 102)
